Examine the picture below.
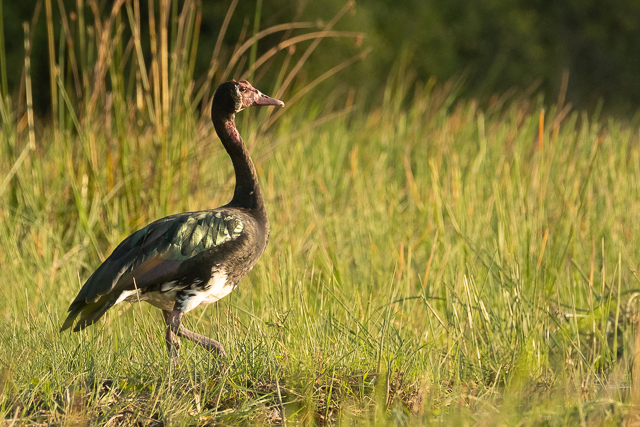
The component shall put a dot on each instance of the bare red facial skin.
(253, 97)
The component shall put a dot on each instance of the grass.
(430, 261)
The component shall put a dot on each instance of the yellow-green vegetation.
(430, 261)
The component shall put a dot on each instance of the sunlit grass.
(429, 261)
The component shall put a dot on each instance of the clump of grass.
(430, 260)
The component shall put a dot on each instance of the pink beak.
(263, 99)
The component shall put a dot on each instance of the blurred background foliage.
(495, 45)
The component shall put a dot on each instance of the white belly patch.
(218, 288)
(162, 300)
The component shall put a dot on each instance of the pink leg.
(171, 339)
(174, 323)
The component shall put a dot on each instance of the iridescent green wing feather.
(151, 256)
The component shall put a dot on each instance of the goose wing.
(150, 257)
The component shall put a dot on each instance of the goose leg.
(171, 339)
(174, 321)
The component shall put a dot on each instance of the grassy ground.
(429, 262)
(426, 264)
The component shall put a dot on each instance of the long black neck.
(247, 193)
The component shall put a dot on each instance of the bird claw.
(215, 347)
(175, 361)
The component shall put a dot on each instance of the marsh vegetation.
(431, 259)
